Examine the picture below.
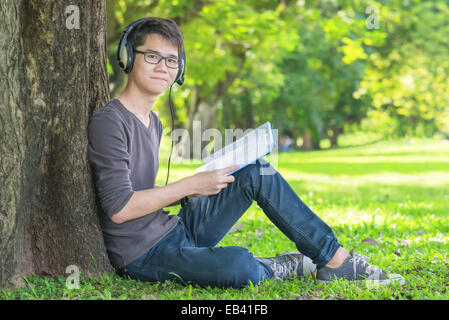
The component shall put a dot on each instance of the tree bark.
(52, 80)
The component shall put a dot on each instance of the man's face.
(154, 78)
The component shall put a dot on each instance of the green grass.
(396, 193)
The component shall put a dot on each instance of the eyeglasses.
(154, 58)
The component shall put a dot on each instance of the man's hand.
(211, 182)
(150, 200)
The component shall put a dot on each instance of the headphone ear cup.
(125, 52)
(125, 56)
(121, 54)
(129, 52)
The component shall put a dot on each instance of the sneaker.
(356, 268)
(289, 264)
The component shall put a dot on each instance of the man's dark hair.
(166, 28)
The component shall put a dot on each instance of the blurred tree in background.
(313, 68)
(407, 79)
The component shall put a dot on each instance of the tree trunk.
(52, 79)
(309, 142)
(336, 131)
(192, 145)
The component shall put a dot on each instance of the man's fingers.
(229, 178)
(230, 168)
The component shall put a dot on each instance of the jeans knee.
(250, 173)
(246, 268)
(259, 167)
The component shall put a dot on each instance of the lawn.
(387, 200)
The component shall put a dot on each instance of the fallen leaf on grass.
(237, 228)
(371, 241)
(259, 232)
(405, 243)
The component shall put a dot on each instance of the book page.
(245, 150)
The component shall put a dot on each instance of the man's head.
(158, 45)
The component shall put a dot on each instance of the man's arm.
(171, 204)
(178, 202)
(147, 201)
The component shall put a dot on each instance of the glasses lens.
(172, 63)
(152, 58)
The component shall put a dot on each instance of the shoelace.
(285, 269)
(361, 259)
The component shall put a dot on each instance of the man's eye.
(172, 60)
(153, 56)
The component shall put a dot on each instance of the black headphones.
(126, 54)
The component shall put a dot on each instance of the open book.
(244, 151)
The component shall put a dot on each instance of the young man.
(144, 242)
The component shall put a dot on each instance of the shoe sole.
(394, 279)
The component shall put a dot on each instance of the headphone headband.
(126, 54)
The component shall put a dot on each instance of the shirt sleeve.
(160, 129)
(109, 157)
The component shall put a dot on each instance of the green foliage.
(308, 66)
(407, 77)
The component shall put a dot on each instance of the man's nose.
(161, 65)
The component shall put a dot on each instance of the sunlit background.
(318, 70)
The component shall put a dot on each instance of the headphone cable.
(172, 128)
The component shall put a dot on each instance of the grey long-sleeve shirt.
(124, 153)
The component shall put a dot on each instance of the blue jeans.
(189, 251)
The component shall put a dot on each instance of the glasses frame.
(160, 58)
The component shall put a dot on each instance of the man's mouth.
(157, 78)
